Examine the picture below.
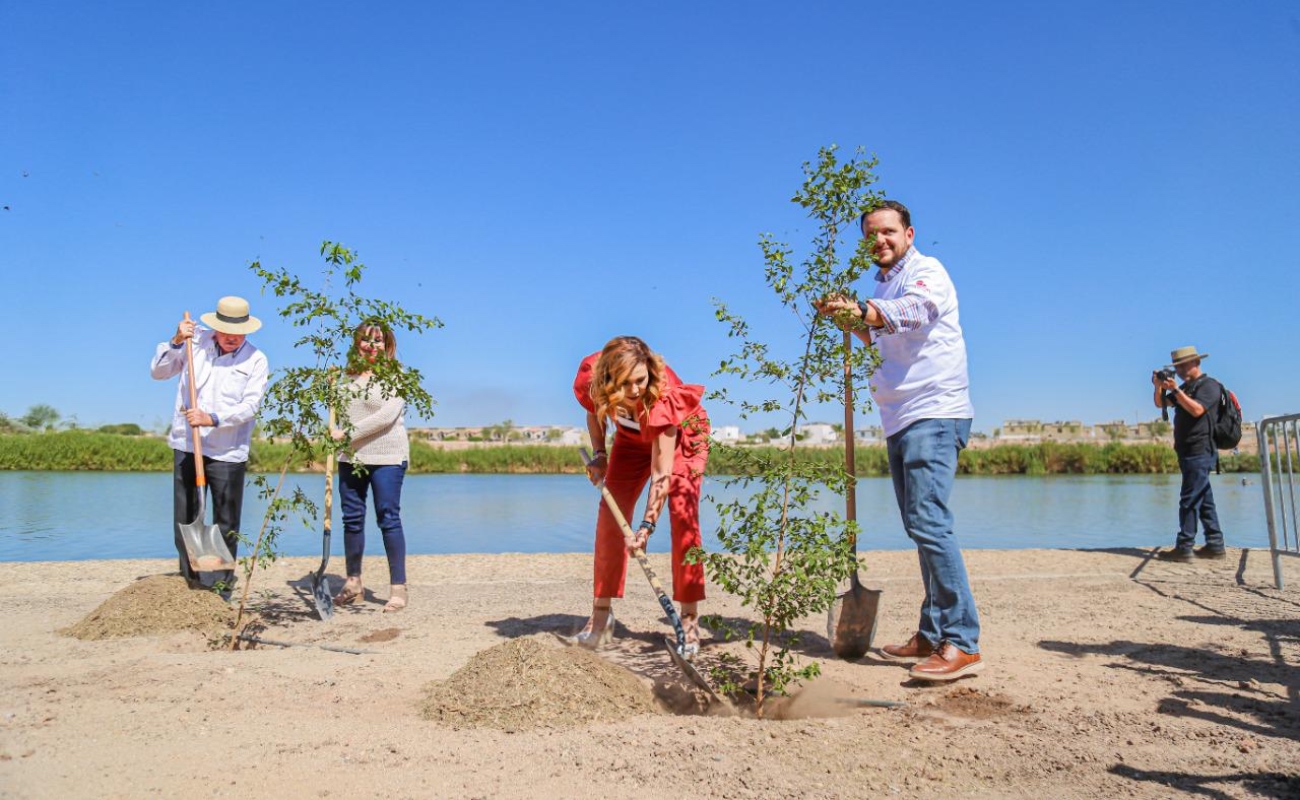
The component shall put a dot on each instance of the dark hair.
(887, 205)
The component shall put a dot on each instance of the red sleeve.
(675, 406)
(582, 382)
(671, 377)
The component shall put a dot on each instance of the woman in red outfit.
(661, 436)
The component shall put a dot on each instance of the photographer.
(1193, 402)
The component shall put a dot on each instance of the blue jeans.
(923, 464)
(1197, 500)
(385, 481)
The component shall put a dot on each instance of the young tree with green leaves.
(784, 561)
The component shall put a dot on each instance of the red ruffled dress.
(629, 470)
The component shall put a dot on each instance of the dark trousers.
(226, 494)
(1196, 501)
(385, 481)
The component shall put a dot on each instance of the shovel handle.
(200, 479)
(850, 445)
(329, 477)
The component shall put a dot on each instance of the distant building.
(871, 434)
(817, 433)
(727, 434)
(572, 437)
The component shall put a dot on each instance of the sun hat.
(1186, 354)
(231, 316)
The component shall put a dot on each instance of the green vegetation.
(124, 452)
(84, 450)
(122, 429)
(41, 417)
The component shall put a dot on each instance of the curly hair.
(613, 369)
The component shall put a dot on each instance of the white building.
(726, 434)
(817, 433)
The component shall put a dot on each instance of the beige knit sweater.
(378, 426)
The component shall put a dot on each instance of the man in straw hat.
(230, 377)
(1193, 402)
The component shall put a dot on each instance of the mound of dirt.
(535, 682)
(156, 604)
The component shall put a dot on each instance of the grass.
(109, 452)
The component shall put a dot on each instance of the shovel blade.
(851, 624)
(205, 547)
(693, 675)
(320, 596)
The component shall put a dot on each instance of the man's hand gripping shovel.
(676, 650)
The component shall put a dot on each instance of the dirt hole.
(383, 635)
(153, 605)
(972, 703)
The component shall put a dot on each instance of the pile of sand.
(536, 682)
(156, 604)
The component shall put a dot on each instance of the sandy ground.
(1109, 675)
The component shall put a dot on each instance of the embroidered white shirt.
(922, 374)
(229, 386)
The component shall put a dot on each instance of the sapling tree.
(781, 558)
(297, 403)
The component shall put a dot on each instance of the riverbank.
(1109, 675)
(92, 451)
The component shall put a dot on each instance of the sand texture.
(1108, 675)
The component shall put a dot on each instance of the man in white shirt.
(230, 376)
(922, 391)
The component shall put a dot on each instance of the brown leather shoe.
(916, 649)
(948, 664)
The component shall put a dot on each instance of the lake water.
(68, 516)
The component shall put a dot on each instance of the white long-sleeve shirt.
(922, 374)
(230, 387)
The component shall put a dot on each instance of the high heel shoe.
(691, 627)
(594, 640)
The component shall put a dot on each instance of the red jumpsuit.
(629, 470)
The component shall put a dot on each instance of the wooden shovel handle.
(200, 479)
(329, 476)
(850, 463)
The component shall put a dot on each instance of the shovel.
(676, 650)
(320, 587)
(204, 545)
(851, 623)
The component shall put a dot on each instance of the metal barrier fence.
(1279, 458)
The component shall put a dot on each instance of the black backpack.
(1225, 425)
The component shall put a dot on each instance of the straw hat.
(1186, 354)
(231, 316)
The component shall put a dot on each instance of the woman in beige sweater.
(376, 465)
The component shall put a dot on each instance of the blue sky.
(1104, 181)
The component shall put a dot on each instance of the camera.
(1164, 374)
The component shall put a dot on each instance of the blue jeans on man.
(384, 481)
(923, 465)
(1196, 501)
